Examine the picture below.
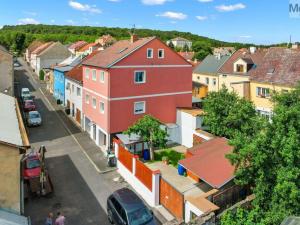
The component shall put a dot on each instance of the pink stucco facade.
(168, 85)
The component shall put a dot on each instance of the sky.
(247, 21)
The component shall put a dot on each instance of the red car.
(32, 166)
(29, 106)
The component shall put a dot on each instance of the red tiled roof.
(187, 55)
(43, 47)
(279, 66)
(77, 73)
(86, 47)
(115, 52)
(34, 45)
(77, 45)
(209, 162)
(245, 54)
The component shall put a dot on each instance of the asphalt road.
(80, 192)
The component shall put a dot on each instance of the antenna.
(132, 30)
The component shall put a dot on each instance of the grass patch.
(172, 155)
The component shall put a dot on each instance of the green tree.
(227, 114)
(149, 128)
(19, 41)
(269, 161)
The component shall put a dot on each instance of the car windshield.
(34, 115)
(139, 216)
(29, 103)
(32, 164)
(26, 93)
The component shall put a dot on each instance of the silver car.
(34, 118)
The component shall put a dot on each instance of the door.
(68, 104)
(73, 110)
(78, 116)
(94, 131)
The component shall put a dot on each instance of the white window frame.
(73, 88)
(138, 71)
(68, 86)
(163, 53)
(102, 76)
(214, 81)
(207, 80)
(87, 98)
(261, 92)
(134, 109)
(94, 100)
(101, 108)
(78, 91)
(94, 75)
(87, 73)
(150, 57)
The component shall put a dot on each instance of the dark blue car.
(124, 207)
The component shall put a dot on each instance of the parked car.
(32, 166)
(25, 94)
(124, 207)
(29, 106)
(34, 118)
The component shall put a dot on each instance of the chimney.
(252, 49)
(133, 38)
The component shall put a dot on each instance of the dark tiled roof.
(279, 66)
(211, 64)
(208, 162)
(115, 52)
(255, 58)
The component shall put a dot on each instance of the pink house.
(129, 79)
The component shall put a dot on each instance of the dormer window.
(161, 53)
(239, 68)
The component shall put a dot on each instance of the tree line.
(17, 38)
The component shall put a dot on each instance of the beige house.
(180, 42)
(13, 143)
(34, 45)
(234, 73)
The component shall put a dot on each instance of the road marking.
(70, 133)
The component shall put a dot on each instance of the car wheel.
(109, 215)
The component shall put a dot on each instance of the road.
(80, 190)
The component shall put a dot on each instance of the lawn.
(172, 155)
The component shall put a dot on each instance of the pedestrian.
(60, 220)
(49, 219)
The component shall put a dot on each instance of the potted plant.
(165, 160)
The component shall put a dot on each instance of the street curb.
(107, 171)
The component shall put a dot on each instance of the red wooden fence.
(144, 174)
(125, 157)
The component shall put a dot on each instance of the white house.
(180, 42)
(73, 93)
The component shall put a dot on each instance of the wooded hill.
(11, 36)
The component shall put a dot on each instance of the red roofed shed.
(207, 161)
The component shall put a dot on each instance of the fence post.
(116, 150)
(155, 186)
(134, 158)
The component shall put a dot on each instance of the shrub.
(42, 75)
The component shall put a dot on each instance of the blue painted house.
(59, 72)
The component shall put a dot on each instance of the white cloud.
(201, 18)
(27, 21)
(246, 36)
(228, 8)
(84, 7)
(72, 22)
(173, 15)
(154, 2)
(205, 1)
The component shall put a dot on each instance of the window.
(102, 76)
(198, 77)
(87, 73)
(207, 80)
(94, 75)
(139, 77)
(101, 107)
(161, 53)
(87, 99)
(214, 81)
(68, 86)
(239, 68)
(78, 91)
(139, 107)
(73, 88)
(149, 53)
(94, 103)
(262, 92)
